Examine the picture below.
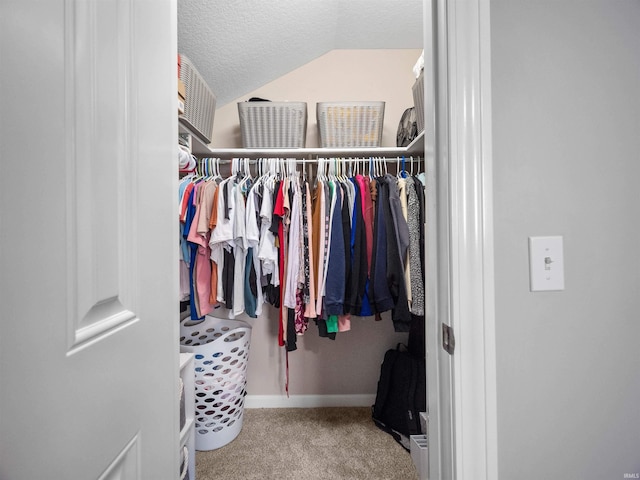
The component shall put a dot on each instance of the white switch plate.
(546, 264)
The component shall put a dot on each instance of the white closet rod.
(310, 154)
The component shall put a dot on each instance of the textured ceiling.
(240, 45)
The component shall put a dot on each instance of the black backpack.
(401, 395)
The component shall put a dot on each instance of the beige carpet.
(308, 444)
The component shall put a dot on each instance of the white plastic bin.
(420, 455)
(273, 124)
(221, 353)
(350, 124)
(418, 100)
(200, 101)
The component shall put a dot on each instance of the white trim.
(472, 276)
(441, 449)
(488, 286)
(308, 401)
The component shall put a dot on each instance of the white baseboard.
(308, 401)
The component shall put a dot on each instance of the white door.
(88, 334)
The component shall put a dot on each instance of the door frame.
(461, 387)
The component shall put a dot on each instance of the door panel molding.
(108, 318)
(100, 170)
(126, 465)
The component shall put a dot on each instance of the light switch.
(546, 264)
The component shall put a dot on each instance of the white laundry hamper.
(221, 353)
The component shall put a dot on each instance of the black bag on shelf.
(407, 128)
(401, 395)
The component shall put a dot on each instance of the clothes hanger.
(292, 167)
(401, 172)
(242, 177)
(197, 172)
(247, 169)
(210, 171)
(319, 170)
(217, 166)
(259, 171)
(333, 172)
(268, 173)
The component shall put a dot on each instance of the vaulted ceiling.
(240, 45)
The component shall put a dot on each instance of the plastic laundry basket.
(221, 351)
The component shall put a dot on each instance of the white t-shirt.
(294, 246)
(222, 234)
(240, 250)
(267, 251)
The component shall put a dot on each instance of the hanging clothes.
(340, 246)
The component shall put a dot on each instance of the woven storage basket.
(273, 124)
(200, 102)
(221, 352)
(418, 100)
(350, 124)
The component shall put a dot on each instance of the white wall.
(340, 75)
(566, 123)
(350, 365)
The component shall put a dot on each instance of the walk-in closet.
(94, 381)
(531, 131)
(451, 154)
(308, 348)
